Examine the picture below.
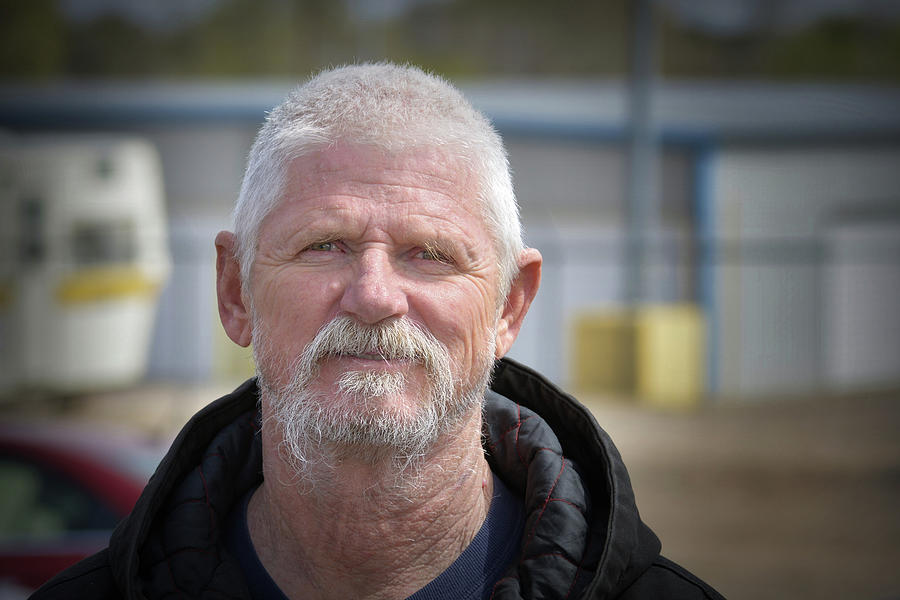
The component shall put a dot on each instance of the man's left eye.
(435, 255)
(322, 246)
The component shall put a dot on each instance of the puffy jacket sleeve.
(90, 578)
(666, 579)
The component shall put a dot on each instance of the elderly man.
(377, 267)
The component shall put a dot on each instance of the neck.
(366, 529)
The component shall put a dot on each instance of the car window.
(37, 502)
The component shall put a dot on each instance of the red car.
(63, 488)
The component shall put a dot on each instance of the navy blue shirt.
(472, 575)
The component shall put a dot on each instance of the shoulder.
(90, 578)
(666, 579)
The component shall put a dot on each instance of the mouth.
(385, 359)
(376, 356)
(368, 356)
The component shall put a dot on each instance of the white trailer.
(84, 255)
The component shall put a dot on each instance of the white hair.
(388, 106)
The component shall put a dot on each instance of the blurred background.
(713, 185)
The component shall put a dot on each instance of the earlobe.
(522, 291)
(233, 312)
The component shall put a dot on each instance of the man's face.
(374, 239)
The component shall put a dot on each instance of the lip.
(336, 364)
(371, 357)
(365, 356)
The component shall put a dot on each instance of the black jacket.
(583, 535)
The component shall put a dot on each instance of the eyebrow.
(455, 249)
(439, 247)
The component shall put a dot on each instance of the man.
(378, 269)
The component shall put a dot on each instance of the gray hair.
(387, 106)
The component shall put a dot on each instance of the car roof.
(124, 449)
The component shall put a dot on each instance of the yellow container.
(603, 357)
(669, 351)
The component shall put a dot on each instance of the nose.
(375, 292)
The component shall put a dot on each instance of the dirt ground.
(796, 498)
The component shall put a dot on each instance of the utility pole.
(642, 197)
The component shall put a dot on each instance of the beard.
(368, 414)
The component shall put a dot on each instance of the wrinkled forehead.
(432, 167)
(373, 173)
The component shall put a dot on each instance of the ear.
(521, 293)
(233, 311)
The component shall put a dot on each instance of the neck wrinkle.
(376, 534)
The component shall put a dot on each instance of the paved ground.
(796, 499)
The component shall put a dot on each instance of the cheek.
(462, 322)
(294, 308)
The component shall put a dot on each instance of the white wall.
(862, 300)
(183, 346)
(776, 206)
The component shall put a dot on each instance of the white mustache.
(308, 416)
(395, 340)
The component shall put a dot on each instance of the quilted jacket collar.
(583, 536)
